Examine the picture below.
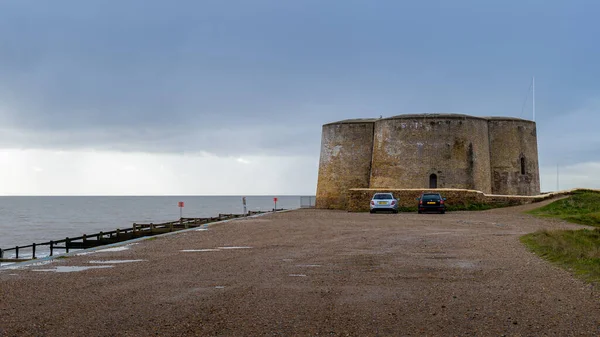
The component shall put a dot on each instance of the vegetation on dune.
(582, 207)
(575, 250)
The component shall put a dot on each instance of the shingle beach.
(311, 273)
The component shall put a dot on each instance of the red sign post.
(275, 201)
(180, 204)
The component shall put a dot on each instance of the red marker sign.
(275, 199)
(180, 204)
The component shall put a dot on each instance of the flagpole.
(533, 85)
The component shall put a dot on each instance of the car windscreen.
(383, 196)
(431, 197)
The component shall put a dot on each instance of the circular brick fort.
(494, 155)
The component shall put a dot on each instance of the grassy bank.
(575, 250)
(582, 207)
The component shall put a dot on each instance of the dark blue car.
(431, 202)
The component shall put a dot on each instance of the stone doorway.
(433, 181)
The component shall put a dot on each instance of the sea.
(34, 219)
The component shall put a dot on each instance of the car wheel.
(395, 211)
(442, 212)
(371, 211)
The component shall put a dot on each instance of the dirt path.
(312, 272)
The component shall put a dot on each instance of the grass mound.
(576, 250)
(582, 207)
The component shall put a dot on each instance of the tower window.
(522, 165)
(433, 181)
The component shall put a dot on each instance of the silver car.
(384, 202)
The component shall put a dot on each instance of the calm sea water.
(25, 220)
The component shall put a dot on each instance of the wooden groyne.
(120, 234)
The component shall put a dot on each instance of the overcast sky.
(148, 97)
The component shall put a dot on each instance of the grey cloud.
(236, 141)
(261, 77)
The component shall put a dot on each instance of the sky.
(228, 97)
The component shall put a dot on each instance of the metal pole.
(557, 185)
(244, 203)
(533, 85)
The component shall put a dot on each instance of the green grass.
(575, 250)
(472, 207)
(582, 207)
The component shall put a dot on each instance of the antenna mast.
(533, 85)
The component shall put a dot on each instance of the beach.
(310, 272)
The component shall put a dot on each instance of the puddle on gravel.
(465, 264)
(220, 287)
(70, 269)
(308, 265)
(113, 249)
(115, 261)
(297, 275)
(201, 250)
(17, 266)
(106, 250)
(218, 249)
(235, 247)
(201, 229)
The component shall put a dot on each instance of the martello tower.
(496, 155)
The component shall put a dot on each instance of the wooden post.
(84, 238)
(134, 228)
(171, 226)
(1, 253)
(151, 228)
(51, 248)
(32, 250)
(17, 251)
(67, 244)
(118, 232)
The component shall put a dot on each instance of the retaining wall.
(359, 198)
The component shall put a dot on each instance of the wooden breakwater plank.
(119, 235)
